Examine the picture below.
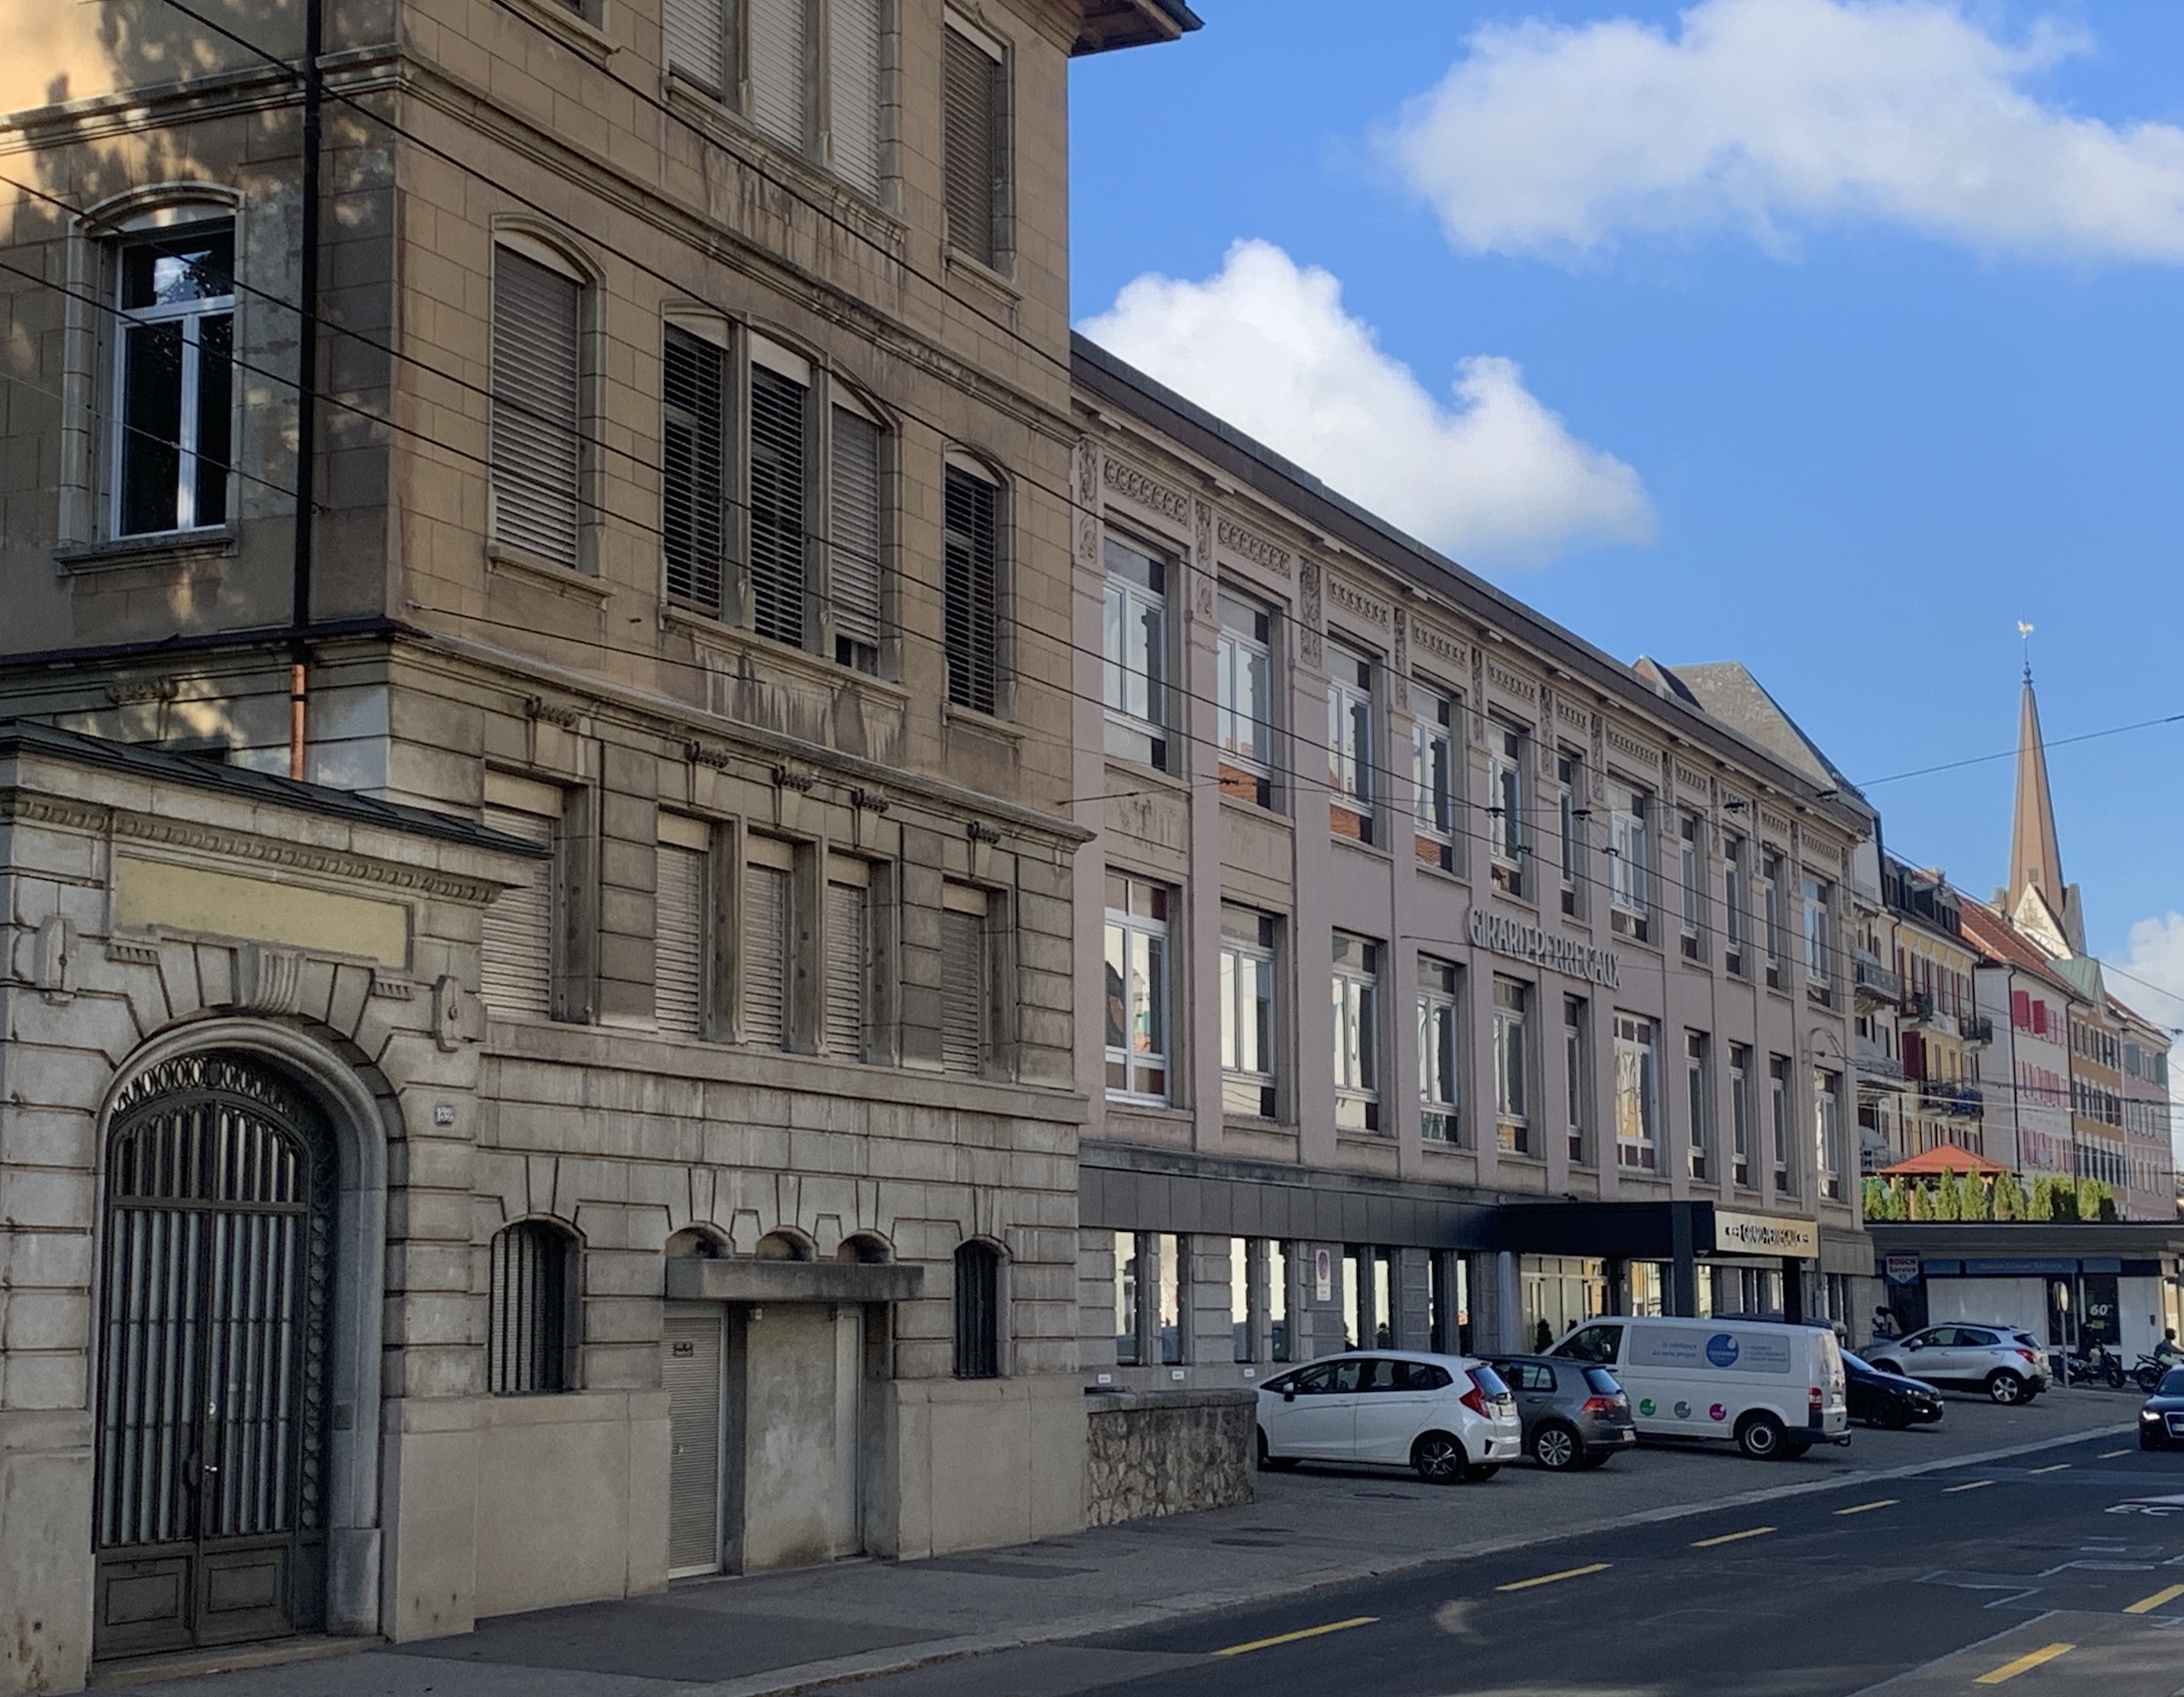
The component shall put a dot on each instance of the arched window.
(977, 1311)
(529, 1348)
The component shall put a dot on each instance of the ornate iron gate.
(212, 1506)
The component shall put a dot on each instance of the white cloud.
(2154, 956)
(1770, 114)
(1266, 344)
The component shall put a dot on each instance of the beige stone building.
(1454, 980)
(538, 1003)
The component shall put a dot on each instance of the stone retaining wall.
(1167, 1452)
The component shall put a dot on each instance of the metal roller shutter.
(690, 1372)
(678, 946)
(516, 943)
(970, 116)
(537, 407)
(695, 40)
(854, 528)
(766, 956)
(779, 43)
(854, 44)
(963, 1000)
(847, 971)
(970, 573)
(777, 469)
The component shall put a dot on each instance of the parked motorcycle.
(2095, 1366)
(2149, 1371)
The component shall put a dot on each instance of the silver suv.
(2007, 1364)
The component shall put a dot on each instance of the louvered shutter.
(765, 956)
(536, 404)
(695, 41)
(970, 570)
(777, 404)
(963, 1000)
(679, 942)
(848, 971)
(854, 528)
(854, 44)
(692, 535)
(779, 43)
(516, 942)
(971, 121)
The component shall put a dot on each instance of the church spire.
(2036, 858)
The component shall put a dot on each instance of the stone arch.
(362, 1115)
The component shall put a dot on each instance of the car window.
(1312, 1382)
(1381, 1374)
(1934, 1337)
(1601, 1383)
(2172, 1383)
(1409, 1376)
(1969, 1339)
(1591, 1343)
(1488, 1383)
(1535, 1376)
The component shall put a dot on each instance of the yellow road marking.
(1549, 1579)
(1731, 1537)
(2057, 1467)
(1950, 1490)
(2146, 1605)
(1290, 1638)
(2110, 1455)
(1884, 1502)
(2025, 1664)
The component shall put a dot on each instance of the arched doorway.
(218, 1266)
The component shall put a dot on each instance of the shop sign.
(1545, 948)
(1764, 1234)
(1902, 1269)
(1323, 1275)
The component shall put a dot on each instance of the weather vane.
(2025, 636)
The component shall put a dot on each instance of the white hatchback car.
(1447, 1416)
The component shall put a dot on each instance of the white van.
(1771, 1390)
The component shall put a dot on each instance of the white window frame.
(1435, 776)
(1514, 1000)
(191, 316)
(1637, 1092)
(1577, 1076)
(1742, 1122)
(1698, 1099)
(1781, 1112)
(1817, 894)
(1827, 1132)
(1135, 683)
(1630, 863)
(1352, 692)
(1576, 816)
(1440, 1051)
(1691, 850)
(1250, 983)
(1508, 793)
(1355, 976)
(1770, 894)
(1245, 731)
(1736, 926)
(1140, 956)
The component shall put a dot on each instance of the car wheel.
(1556, 1447)
(1272, 1463)
(2006, 1387)
(1439, 1458)
(1762, 1437)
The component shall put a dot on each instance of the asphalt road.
(2047, 1574)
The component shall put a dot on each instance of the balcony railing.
(1873, 982)
(1961, 1101)
(1975, 1027)
(1918, 1006)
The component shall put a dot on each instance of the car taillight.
(2030, 1358)
(1813, 1398)
(1475, 1400)
(1602, 1405)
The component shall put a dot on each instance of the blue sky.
(1860, 324)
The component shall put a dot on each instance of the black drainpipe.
(307, 392)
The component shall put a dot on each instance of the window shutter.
(2039, 1018)
(854, 528)
(2020, 1010)
(694, 41)
(692, 535)
(777, 505)
(780, 31)
(516, 943)
(963, 1000)
(855, 44)
(970, 570)
(536, 404)
(679, 942)
(1915, 1057)
(765, 956)
(847, 971)
(971, 123)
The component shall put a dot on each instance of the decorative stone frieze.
(1259, 552)
(1134, 485)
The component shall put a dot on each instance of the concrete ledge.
(695, 1279)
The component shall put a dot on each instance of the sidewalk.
(779, 1633)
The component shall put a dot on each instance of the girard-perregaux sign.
(1545, 948)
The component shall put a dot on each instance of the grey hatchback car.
(1575, 1415)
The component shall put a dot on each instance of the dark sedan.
(2161, 1420)
(1575, 1414)
(1892, 1400)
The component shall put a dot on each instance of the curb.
(809, 1676)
